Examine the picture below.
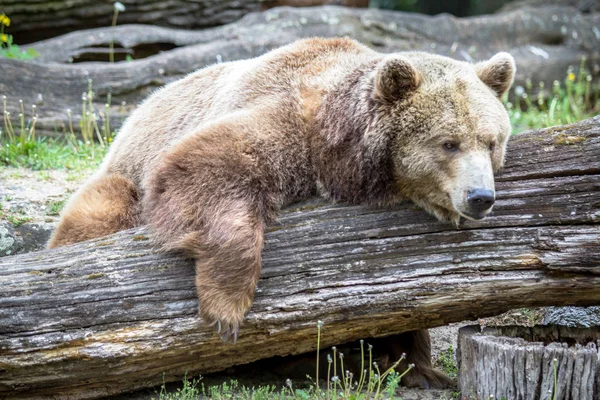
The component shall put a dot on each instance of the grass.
(371, 384)
(79, 149)
(16, 219)
(194, 389)
(573, 100)
(55, 206)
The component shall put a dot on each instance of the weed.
(44, 176)
(447, 363)
(189, 391)
(8, 48)
(16, 220)
(575, 99)
(372, 384)
(20, 147)
(118, 6)
(55, 206)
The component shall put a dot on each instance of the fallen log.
(41, 19)
(544, 41)
(113, 314)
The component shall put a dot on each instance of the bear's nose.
(480, 200)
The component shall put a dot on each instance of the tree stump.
(520, 363)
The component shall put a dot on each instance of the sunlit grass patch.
(74, 149)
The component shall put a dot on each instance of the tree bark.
(544, 41)
(520, 363)
(114, 314)
(42, 19)
(35, 20)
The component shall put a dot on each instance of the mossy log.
(547, 362)
(544, 41)
(114, 314)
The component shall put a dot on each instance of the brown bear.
(209, 160)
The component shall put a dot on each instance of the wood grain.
(114, 314)
(519, 363)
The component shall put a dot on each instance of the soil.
(31, 194)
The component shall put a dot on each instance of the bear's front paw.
(224, 310)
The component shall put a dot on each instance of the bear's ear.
(395, 79)
(498, 72)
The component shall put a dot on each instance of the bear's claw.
(228, 332)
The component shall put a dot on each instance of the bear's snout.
(479, 201)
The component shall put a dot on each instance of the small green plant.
(8, 48)
(371, 384)
(575, 99)
(447, 363)
(16, 220)
(118, 7)
(20, 147)
(55, 206)
(189, 391)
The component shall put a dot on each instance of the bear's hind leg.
(106, 205)
(423, 374)
(417, 347)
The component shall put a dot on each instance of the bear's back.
(293, 78)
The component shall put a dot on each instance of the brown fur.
(106, 205)
(215, 155)
(416, 345)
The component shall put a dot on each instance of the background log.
(518, 363)
(43, 19)
(544, 41)
(585, 6)
(113, 314)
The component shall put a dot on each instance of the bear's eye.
(451, 146)
(492, 147)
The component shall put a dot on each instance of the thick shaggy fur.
(209, 160)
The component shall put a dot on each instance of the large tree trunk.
(114, 314)
(543, 44)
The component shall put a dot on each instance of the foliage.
(20, 147)
(575, 99)
(447, 363)
(188, 391)
(55, 206)
(372, 384)
(8, 48)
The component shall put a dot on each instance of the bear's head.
(448, 127)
